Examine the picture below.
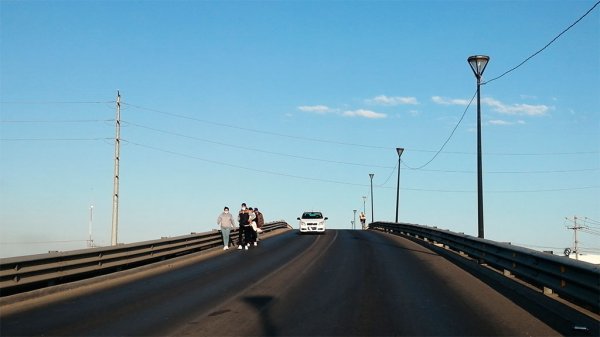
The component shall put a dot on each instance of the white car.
(312, 222)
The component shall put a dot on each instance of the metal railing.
(576, 281)
(18, 274)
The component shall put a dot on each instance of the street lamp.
(478, 64)
(90, 241)
(371, 176)
(399, 150)
(354, 222)
(364, 204)
(364, 210)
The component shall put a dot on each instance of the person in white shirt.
(225, 220)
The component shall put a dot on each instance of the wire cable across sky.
(544, 47)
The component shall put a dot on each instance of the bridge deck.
(341, 283)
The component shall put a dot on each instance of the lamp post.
(372, 216)
(364, 204)
(364, 210)
(399, 150)
(354, 221)
(478, 64)
(90, 241)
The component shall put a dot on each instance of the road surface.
(343, 283)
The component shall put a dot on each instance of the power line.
(393, 168)
(390, 175)
(510, 70)
(493, 79)
(47, 121)
(258, 131)
(548, 189)
(510, 153)
(251, 148)
(55, 121)
(587, 220)
(239, 166)
(590, 231)
(447, 139)
(337, 181)
(276, 134)
(515, 172)
(51, 139)
(541, 153)
(56, 102)
(543, 48)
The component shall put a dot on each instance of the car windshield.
(312, 215)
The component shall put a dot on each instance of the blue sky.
(289, 106)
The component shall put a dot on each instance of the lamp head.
(478, 64)
(399, 150)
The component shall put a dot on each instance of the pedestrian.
(243, 237)
(253, 227)
(225, 220)
(362, 218)
(260, 221)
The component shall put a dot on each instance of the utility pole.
(115, 210)
(576, 243)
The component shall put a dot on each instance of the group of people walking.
(250, 221)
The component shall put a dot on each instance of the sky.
(289, 106)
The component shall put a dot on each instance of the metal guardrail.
(576, 281)
(18, 274)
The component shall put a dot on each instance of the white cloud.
(516, 109)
(323, 109)
(319, 109)
(501, 122)
(392, 101)
(363, 113)
(508, 109)
(448, 101)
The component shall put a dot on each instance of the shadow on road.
(262, 304)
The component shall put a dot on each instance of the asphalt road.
(343, 283)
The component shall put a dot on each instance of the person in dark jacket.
(243, 237)
(253, 228)
(260, 221)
